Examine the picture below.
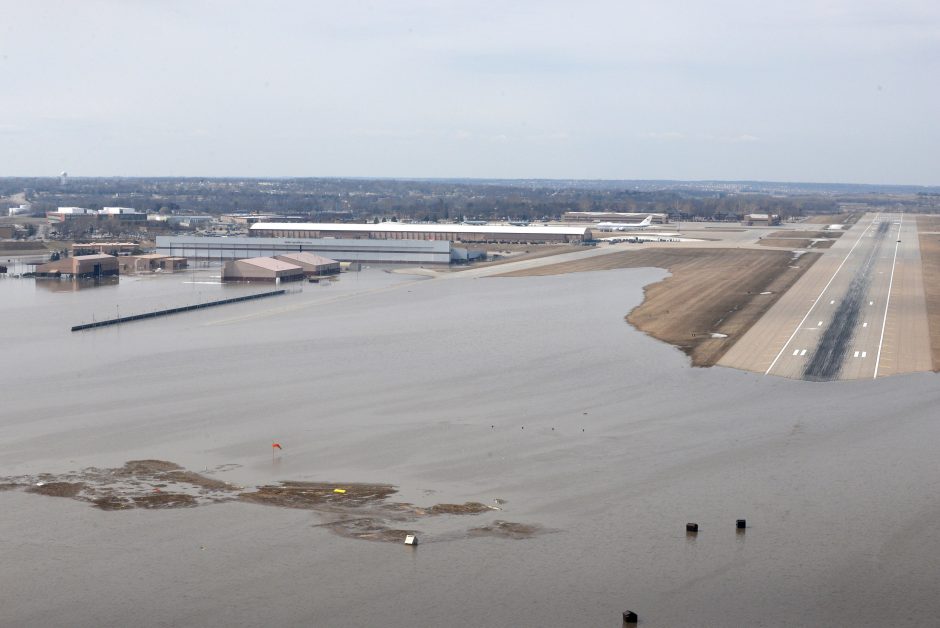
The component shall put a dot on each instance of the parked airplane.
(625, 226)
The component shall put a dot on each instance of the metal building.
(261, 269)
(340, 249)
(81, 266)
(411, 231)
(314, 265)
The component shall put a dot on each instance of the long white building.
(410, 231)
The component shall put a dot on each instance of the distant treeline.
(442, 200)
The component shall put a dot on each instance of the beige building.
(261, 269)
(97, 265)
(314, 265)
(109, 248)
(149, 263)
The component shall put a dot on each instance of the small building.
(314, 265)
(80, 266)
(261, 269)
(150, 263)
(762, 219)
(7, 231)
(108, 248)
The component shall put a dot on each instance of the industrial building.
(411, 231)
(109, 248)
(314, 265)
(624, 217)
(762, 219)
(80, 266)
(151, 262)
(261, 269)
(216, 248)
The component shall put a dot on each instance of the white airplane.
(625, 226)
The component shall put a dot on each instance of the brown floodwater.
(596, 443)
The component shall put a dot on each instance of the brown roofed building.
(97, 265)
(151, 262)
(314, 265)
(261, 269)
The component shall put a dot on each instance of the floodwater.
(532, 390)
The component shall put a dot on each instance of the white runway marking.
(856, 354)
(864, 324)
(864, 354)
(796, 352)
(803, 352)
(884, 321)
(833, 302)
(819, 324)
(871, 303)
(816, 300)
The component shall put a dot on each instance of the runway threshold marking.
(884, 321)
(816, 300)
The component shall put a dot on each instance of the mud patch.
(353, 510)
(470, 508)
(57, 489)
(313, 495)
(507, 530)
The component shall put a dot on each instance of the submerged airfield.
(547, 454)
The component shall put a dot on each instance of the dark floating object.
(741, 524)
(691, 527)
(629, 617)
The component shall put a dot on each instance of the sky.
(817, 91)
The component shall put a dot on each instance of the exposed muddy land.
(426, 386)
(353, 510)
(929, 227)
(712, 298)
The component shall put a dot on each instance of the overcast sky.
(842, 91)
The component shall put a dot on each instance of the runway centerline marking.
(816, 300)
(884, 321)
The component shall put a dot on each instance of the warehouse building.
(150, 263)
(80, 266)
(410, 231)
(108, 248)
(314, 265)
(340, 249)
(762, 220)
(261, 269)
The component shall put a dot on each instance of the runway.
(860, 312)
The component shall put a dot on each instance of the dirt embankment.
(796, 243)
(929, 229)
(805, 234)
(834, 219)
(712, 298)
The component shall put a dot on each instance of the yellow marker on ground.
(339, 490)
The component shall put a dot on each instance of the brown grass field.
(789, 243)
(711, 291)
(929, 228)
(805, 234)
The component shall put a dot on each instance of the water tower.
(63, 178)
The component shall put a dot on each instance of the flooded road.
(531, 391)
